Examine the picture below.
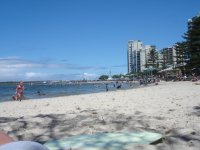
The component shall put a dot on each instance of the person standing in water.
(106, 87)
(19, 92)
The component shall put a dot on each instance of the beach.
(169, 108)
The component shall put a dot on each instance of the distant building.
(149, 61)
(160, 61)
(130, 56)
(168, 56)
(137, 56)
(143, 59)
(133, 54)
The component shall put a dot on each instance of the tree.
(130, 76)
(193, 40)
(181, 49)
(163, 59)
(103, 77)
(116, 76)
(153, 56)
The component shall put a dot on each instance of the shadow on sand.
(42, 128)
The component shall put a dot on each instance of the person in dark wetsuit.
(40, 94)
(106, 87)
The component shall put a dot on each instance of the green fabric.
(100, 141)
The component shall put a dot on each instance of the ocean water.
(54, 89)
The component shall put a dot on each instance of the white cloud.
(15, 68)
(89, 76)
(35, 76)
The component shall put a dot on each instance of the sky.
(83, 39)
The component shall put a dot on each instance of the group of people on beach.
(117, 85)
(19, 94)
(180, 77)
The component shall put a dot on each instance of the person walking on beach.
(19, 92)
(106, 87)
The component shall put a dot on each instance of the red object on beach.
(4, 138)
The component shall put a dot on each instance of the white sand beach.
(170, 108)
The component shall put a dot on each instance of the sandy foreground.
(170, 108)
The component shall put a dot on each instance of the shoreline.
(59, 90)
(170, 108)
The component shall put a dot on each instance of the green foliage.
(136, 74)
(181, 52)
(117, 76)
(153, 57)
(193, 40)
(103, 77)
(129, 75)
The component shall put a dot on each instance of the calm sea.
(35, 90)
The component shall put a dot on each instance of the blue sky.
(76, 39)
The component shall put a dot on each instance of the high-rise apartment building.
(143, 59)
(160, 61)
(169, 56)
(138, 56)
(130, 56)
(133, 54)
